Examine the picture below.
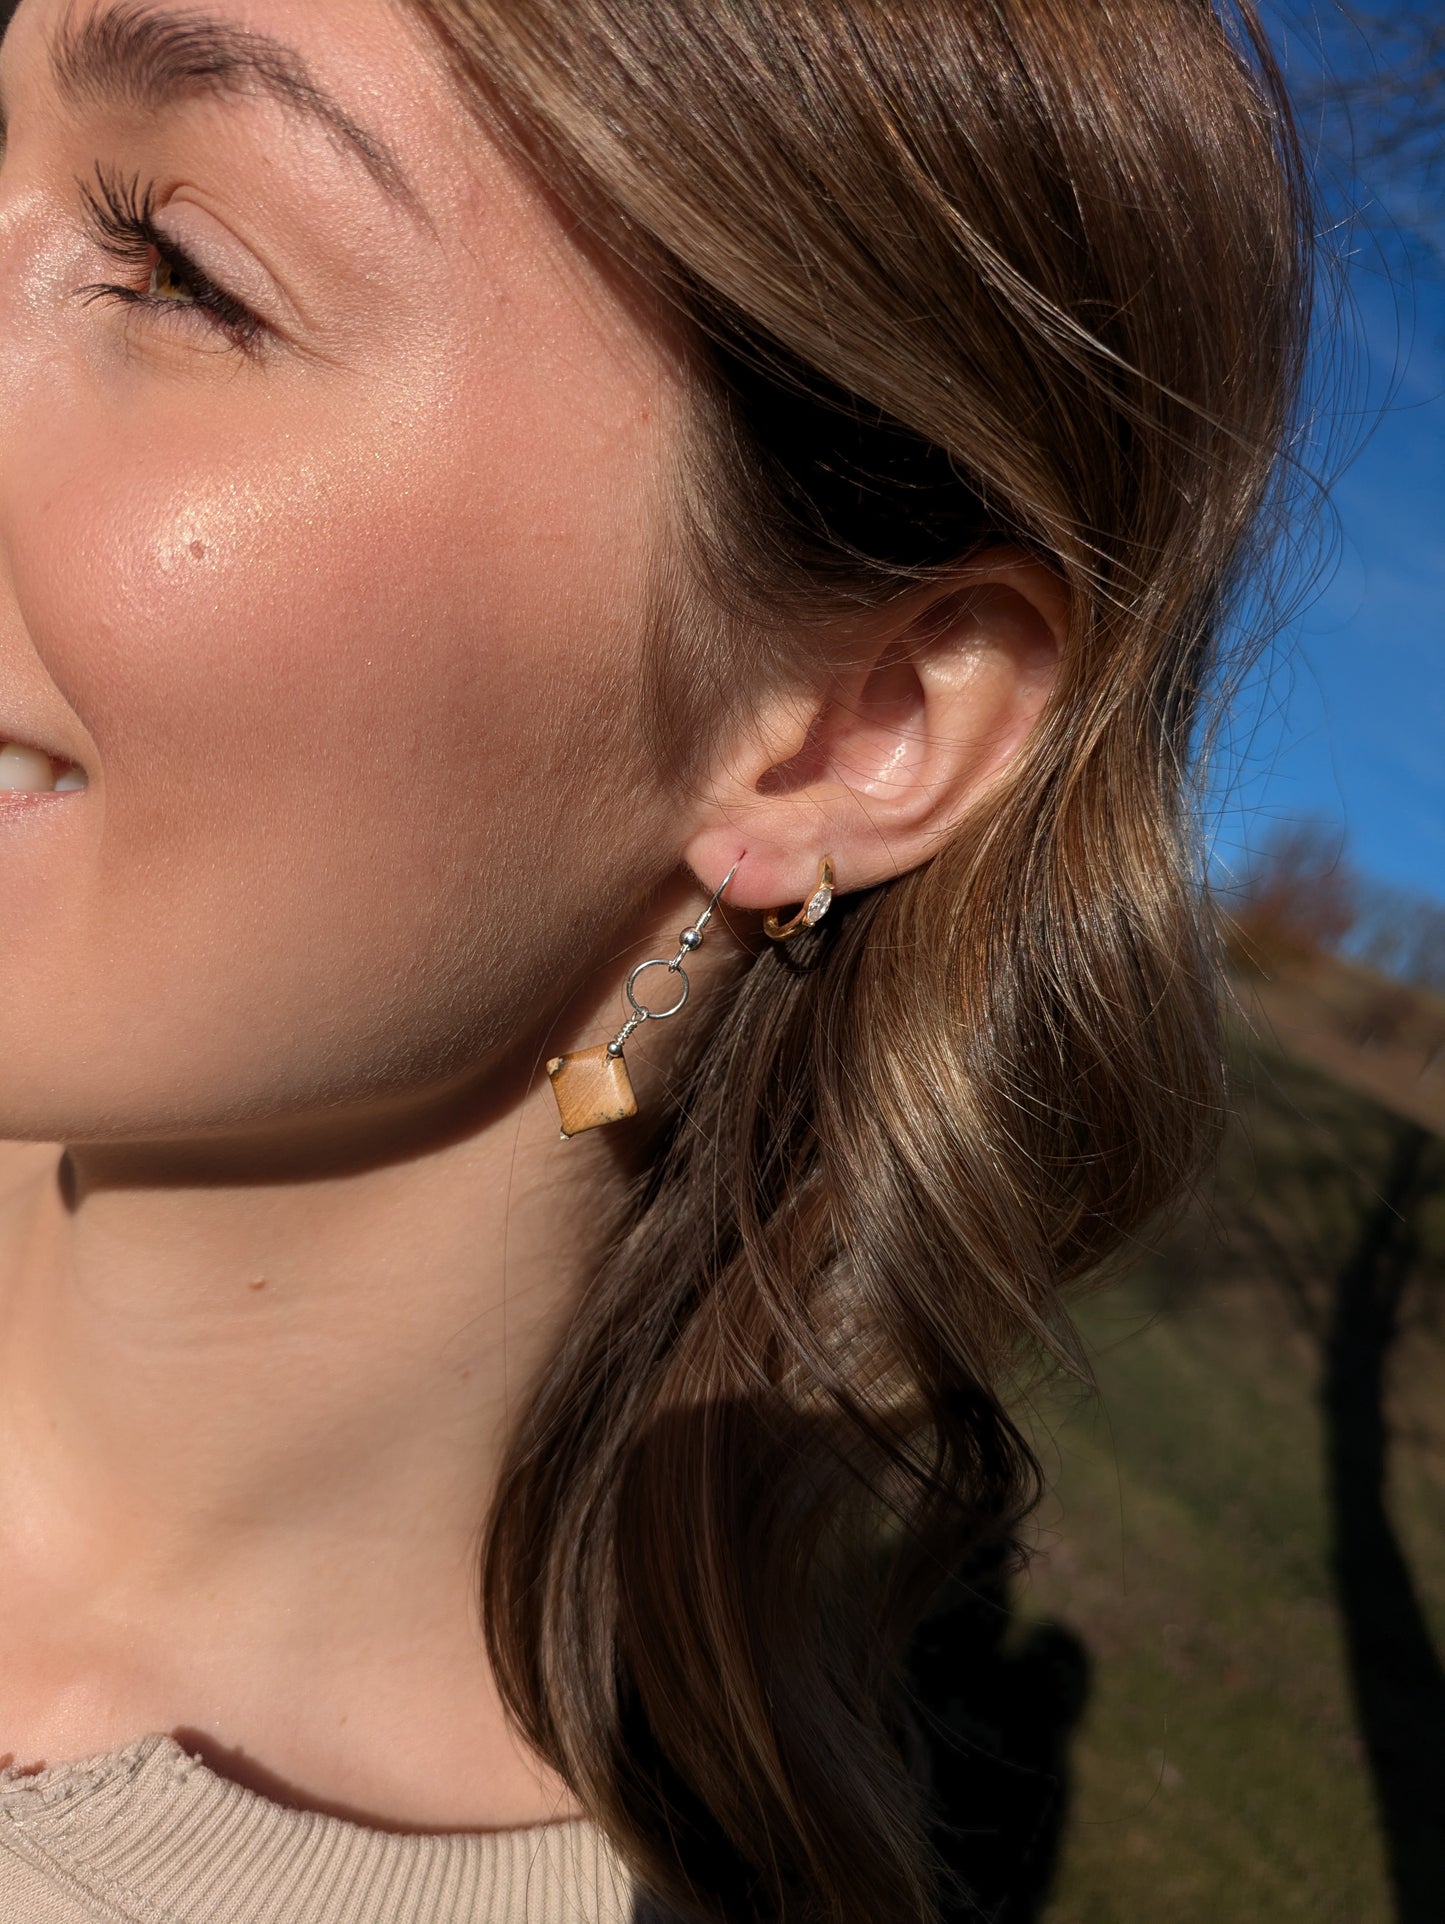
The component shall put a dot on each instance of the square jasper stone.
(591, 1088)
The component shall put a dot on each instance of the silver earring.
(592, 1086)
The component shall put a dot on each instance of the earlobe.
(900, 748)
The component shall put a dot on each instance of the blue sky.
(1349, 723)
(1346, 719)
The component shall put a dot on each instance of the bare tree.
(1401, 933)
(1299, 898)
(1377, 98)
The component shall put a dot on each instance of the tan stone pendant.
(592, 1086)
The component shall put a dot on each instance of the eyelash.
(120, 215)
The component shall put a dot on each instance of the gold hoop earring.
(592, 1086)
(812, 911)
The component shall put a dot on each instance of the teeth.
(25, 769)
(29, 771)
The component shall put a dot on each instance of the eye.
(165, 286)
(120, 215)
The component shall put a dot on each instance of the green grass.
(1216, 1774)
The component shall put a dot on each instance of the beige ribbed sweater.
(150, 1835)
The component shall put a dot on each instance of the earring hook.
(592, 1086)
(702, 921)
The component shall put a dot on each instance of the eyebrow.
(150, 58)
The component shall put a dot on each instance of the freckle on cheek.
(198, 550)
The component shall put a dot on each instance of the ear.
(878, 763)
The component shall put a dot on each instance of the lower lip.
(18, 801)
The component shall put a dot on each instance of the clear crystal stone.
(818, 906)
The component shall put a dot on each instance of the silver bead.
(690, 939)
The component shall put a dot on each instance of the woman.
(488, 485)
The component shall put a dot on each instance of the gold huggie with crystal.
(592, 1086)
(813, 910)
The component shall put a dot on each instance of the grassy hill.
(1214, 1590)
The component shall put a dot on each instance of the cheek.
(350, 710)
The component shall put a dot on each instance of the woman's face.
(333, 581)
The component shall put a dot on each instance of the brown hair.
(961, 272)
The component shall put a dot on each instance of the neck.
(244, 1395)
(288, 1353)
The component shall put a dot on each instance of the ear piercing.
(812, 911)
(592, 1086)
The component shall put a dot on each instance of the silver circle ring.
(657, 1015)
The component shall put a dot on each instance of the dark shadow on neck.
(237, 1766)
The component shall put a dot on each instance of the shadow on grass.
(999, 1715)
(1396, 1673)
(1337, 1204)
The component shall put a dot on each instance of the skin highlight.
(345, 632)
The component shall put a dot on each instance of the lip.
(15, 801)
